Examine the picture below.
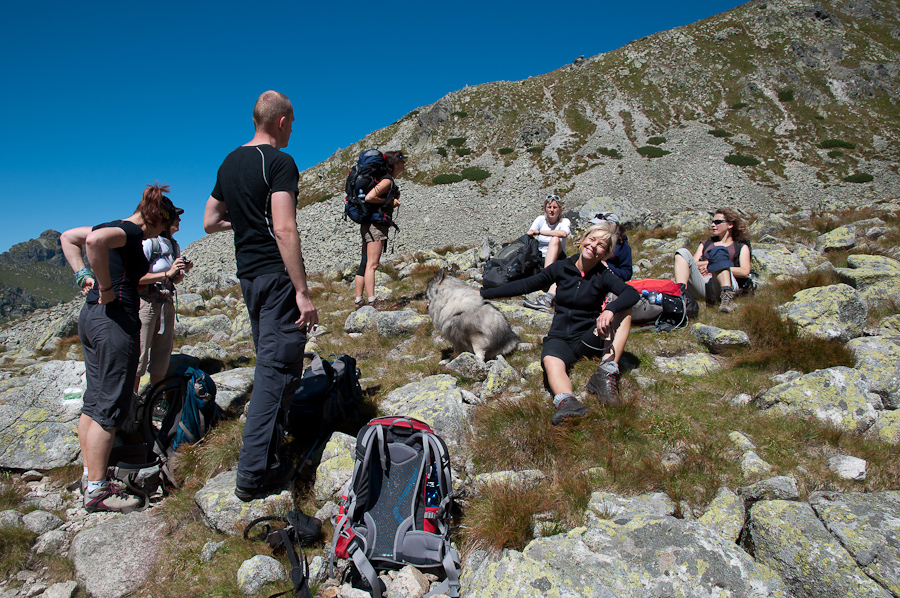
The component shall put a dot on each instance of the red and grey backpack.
(395, 509)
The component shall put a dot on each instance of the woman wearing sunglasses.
(720, 265)
(551, 231)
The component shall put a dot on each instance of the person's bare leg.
(552, 256)
(96, 443)
(682, 270)
(620, 328)
(373, 258)
(557, 378)
(360, 281)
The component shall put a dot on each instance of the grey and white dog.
(469, 322)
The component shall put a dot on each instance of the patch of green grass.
(720, 133)
(505, 150)
(535, 149)
(651, 151)
(835, 154)
(460, 113)
(15, 543)
(463, 151)
(786, 95)
(579, 123)
(830, 143)
(325, 198)
(859, 178)
(444, 179)
(739, 105)
(13, 491)
(456, 141)
(741, 160)
(658, 140)
(442, 151)
(473, 173)
(610, 153)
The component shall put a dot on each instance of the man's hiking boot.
(605, 385)
(569, 408)
(727, 299)
(109, 497)
(543, 303)
(381, 305)
(275, 479)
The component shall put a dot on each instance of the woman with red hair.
(109, 329)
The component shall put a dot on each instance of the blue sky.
(102, 98)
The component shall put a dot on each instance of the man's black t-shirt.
(246, 180)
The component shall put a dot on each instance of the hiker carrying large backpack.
(395, 509)
(372, 196)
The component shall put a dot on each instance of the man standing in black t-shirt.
(256, 197)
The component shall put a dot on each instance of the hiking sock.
(372, 299)
(358, 301)
(557, 399)
(91, 486)
(609, 366)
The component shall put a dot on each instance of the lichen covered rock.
(836, 312)
(835, 395)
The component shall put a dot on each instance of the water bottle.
(432, 488)
(653, 297)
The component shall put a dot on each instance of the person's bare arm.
(98, 243)
(288, 240)
(698, 259)
(742, 271)
(215, 217)
(72, 242)
(376, 193)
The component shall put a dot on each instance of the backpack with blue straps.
(396, 507)
(369, 170)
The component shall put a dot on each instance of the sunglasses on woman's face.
(719, 221)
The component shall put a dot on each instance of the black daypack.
(362, 177)
(518, 259)
(300, 529)
(395, 510)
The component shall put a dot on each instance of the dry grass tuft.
(502, 517)
(779, 346)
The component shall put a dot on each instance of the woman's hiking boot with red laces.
(109, 497)
(568, 408)
(605, 383)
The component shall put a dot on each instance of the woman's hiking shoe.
(275, 479)
(110, 498)
(568, 408)
(543, 302)
(727, 300)
(605, 385)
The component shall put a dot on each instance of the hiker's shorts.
(109, 338)
(373, 231)
(703, 288)
(588, 345)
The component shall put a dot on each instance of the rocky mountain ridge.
(34, 275)
(804, 88)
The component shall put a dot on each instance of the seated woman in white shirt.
(551, 231)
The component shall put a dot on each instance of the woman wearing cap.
(585, 324)
(720, 265)
(551, 231)
(386, 195)
(157, 292)
(109, 328)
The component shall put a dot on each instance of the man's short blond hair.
(270, 106)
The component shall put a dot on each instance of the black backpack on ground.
(329, 395)
(518, 259)
(362, 177)
(395, 509)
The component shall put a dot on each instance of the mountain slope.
(34, 275)
(805, 88)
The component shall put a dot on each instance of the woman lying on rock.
(585, 323)
(721, 264)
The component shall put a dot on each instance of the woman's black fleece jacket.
(578, 299)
